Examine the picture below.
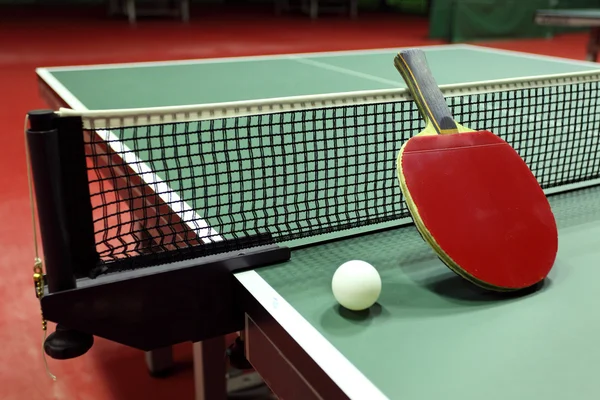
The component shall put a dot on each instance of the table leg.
(279, 4)
(593, 44)
(114, 7)
(353, 9)
(159, 361)
(314, 9)
(131, 11)
(210, 369)
(185, 10)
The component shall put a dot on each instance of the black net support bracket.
(159, 306)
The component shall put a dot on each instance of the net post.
(57, 156)
(58, 171)
(44, 153)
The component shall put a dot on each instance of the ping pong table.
(575, 18)
(431, 335)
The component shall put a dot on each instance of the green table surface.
(431, 335)
(216, 80)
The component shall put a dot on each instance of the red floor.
(30, 39)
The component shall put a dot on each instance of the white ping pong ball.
(356, 285)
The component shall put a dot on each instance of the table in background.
(575, 18)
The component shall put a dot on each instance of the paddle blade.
(477, 203)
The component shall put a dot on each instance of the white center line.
(394, 84)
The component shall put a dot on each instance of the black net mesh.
(209, 186)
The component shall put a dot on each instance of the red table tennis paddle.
(470, 194)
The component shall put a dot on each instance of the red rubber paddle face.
(483, 207)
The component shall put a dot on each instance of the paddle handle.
(412, 65)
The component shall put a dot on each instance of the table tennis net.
(289, 176)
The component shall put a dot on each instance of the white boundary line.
(522, 54)
(170, 197)
(61, 90)
(347, 71)
(345, 374)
